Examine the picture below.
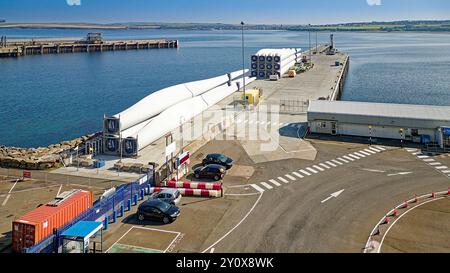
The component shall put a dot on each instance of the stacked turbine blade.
(267, 62)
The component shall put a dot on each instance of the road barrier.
(194, 185)
(195, 192)
(104, 210)
(395, 213)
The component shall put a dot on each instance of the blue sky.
(225, 11)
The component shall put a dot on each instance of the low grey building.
(417, 123)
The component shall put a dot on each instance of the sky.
(225, 11)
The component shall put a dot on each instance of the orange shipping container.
(38, 224)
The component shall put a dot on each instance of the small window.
(324, 124)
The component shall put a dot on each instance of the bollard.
(406, 205)
(433, 195)
(395, 213)
(122, 210)
(135, 199)
(448, 192)
(142, 194)
(129, 204)
(386, 220)
(416, 199)
(114, 218)
(106, 222)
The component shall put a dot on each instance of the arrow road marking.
(333, 195)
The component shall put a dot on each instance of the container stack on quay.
(268, 62)
(36, 225)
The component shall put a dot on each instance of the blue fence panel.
(99, 211)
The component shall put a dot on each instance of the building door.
(334, 128)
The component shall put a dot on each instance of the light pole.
(309, 34)
(243, 64)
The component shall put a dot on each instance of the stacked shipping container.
(38, 224)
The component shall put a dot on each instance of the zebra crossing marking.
(274, 182)
(258, 188)
(297, 174)
(283, 180)
(312, 170)
(266, 185)
(325, 166)
(291, 177)
(305, 172)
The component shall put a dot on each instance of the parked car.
(212, 171)
(218, 159)
(158, 210)
(171, 196)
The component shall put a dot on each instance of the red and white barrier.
(193, 192)
(194, 185)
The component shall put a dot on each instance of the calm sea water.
(49, 98)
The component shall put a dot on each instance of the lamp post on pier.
(243, 64)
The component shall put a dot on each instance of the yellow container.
(252, 96)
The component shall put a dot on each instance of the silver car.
(170, 196)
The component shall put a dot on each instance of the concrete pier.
(17, 49)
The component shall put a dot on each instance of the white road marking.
(435, 164)
(266, 185)
(359, 154)
(312, 170)
(318, 168)
(380, 148)
(411, 150)
(291, 177)
(297, 174)
(331, 164)
(374, 171)
(305, 172)
(60, 187)
(212, 250)
(374, 149)
(348, 158)
(237, 225)
(6, 200)
(258, 188)
(333, 195)
(365, 153)
(429, 160)
(402, 173)
(337, 162)
(274, 182)
(423, 156)
(325, 166)
(417, 153)
(370, 151)
(283, 180)
(446, 171)
(354, 156)
(441, 167)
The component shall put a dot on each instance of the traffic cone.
(433, 195)
(406, 205)
(395, 213)
(386, 220)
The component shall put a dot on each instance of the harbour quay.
(92, 43)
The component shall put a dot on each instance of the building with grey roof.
(417, 123)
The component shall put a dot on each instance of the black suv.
(157, 210)
(218, 159)
(212, 171)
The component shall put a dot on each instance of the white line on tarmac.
(13, 186)
(242, 194)
(312, 170)
(441, 167)
(370, 151)
(60, 187)
(374, 149)
(406, 212)
(365, 153)
(283, 180)
(331, 164)
(348, 158)
(402, 173)
(258, 188)
(305, 172)
(297, 174)
(212, 250)
(358, 154)
(429, 160)
(291, 177)
(435, 164)
(266, 185)
(423, 156)
(237, 225)
(274, 182)
(325, 166)
(337, 162)
(318, 168)
(354, 156)
(6, 200)
(374, 171)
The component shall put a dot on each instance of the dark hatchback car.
(212, 171)
(218, 159)
(157, 210)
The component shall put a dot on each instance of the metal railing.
(102, 210)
